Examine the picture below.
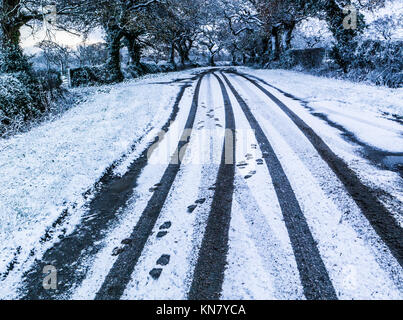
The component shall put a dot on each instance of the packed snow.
(48, 169)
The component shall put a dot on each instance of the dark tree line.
(248, 30)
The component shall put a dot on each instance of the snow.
(184, 237)
(261, 262)
(363, 111)
(48, 169)
(359, 108)
(150, 176)
(353, 266)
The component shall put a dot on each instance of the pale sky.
(29, 40)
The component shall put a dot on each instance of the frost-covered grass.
(46, 169)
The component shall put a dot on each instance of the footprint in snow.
(156, 273)
(166, 225)
(242, 165)
(161, 234)
(164, 260)
(201, 201)
(251, 174)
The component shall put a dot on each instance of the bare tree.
(56, 54)
(386, 26)
(91, 55)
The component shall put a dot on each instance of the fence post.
(69, 77)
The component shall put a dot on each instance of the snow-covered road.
(232, 189)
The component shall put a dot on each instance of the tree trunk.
(212, 62)
(287, 37)
(10, 35)
(265, 45)
(172, 55)
(12, 56)
(114, 35)
(275, 43)
(343, 50)
(14, 59)
(184, 50)
(184, 56)
(10, 23)
(181, 54)
(134, 49)
(234, 59)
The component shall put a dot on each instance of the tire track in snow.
(314, 276)
(378, 216)
(112, 194)
(373, 154)
(209, 271)
(120, 274)
(255, 222)
(346, 240)
(194, 181)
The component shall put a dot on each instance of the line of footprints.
(244, 164)
(209, 114)
(155, 273)
(165, 258)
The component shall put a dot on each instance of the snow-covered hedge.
(97, 75)
(379, 62)
(88, 75)
(15, 99)
(135, 71)
(373, 61)
(49, 79)
(306, 58)
(25, 94)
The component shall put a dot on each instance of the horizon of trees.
(248, 30)
(257, 32)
